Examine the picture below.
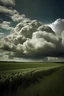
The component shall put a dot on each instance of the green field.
(31, 79)
(24, 65)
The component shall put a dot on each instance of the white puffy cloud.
(13, 14)
(29, 28)
(19, 39)
(58, 26)
(49, 37)
(31, 38)
(9, 11)
(17, 17)
(46, 28)
(37, 46)
(6, 25)
(7, 46)
(55, 59)
(62, 35)
(1, 35)
(6, 10)
(8, 2)
(42, 43)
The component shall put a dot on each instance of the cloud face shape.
(30, 38)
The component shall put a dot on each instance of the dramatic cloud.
(7, 2)
(30, 38)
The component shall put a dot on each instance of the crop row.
(11, 81)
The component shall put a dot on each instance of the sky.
(43, 10)
(32, 29)
(46, 11)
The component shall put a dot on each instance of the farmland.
(27, 79)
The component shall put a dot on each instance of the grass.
(51, 85)
(35, 79)
(24, 65)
